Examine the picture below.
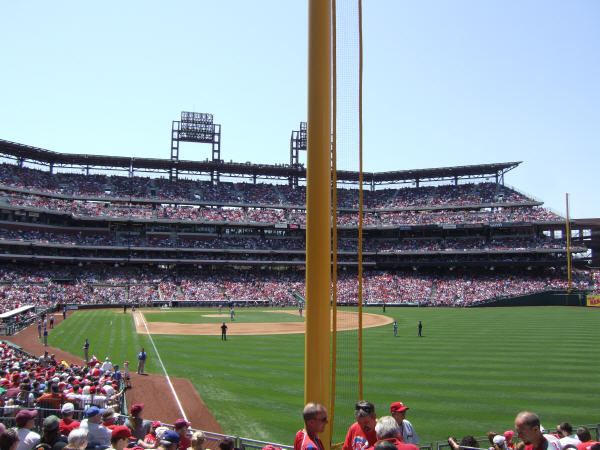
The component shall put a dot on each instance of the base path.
(152, 390)
(347, 320)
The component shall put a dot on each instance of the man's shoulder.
(355, 426)
(553, 444)
(569, 440)
(403, 446)
(31, 436)
(303, 441)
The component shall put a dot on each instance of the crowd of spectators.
(256, 242)
(596, 278)
(117, 196)
(119, 285)
(155, 199)
(114, 186)
(76, 407)
(45, 382)
(250, 214)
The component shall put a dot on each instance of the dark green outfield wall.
(550, 298)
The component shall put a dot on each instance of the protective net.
(346, 156)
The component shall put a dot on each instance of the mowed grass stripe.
(472, 371)
(483, 365)
(243, 376)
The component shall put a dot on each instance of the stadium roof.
(55, 160)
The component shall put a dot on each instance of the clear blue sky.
(446, 83)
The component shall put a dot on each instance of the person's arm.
(453, 444)
(348, 441)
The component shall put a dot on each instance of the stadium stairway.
(433, 292)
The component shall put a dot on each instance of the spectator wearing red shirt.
(182, 428)
(150, 438)
(583, 433)
(67, 424)
(362, 433)
(108, 418)
(529, 431)
(315, 421)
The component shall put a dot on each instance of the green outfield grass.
(241, 315)
(471, 372)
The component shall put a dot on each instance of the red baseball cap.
(135, 409)
(398, 407)
(25, 416)
(180, 423)
(121, 432)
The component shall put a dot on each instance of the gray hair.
(387, 428)
(78, 438)
(311, 410)
(364, 409)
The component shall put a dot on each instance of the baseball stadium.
(224, 297)
(474, 261)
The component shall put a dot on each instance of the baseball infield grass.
(471, 372)
(207, 316)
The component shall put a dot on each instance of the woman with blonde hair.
(198, 439)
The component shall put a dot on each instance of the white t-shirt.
(27, 439)
(569, 440)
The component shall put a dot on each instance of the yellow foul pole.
(318, 207)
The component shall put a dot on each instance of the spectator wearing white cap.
(126, 374)
(106, 365)
(67, 424)
(409, 435)
(25, 421)
(499, 442)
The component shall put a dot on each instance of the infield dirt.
(347, 320)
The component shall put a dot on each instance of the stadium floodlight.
(195, 127)
(297, 144)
